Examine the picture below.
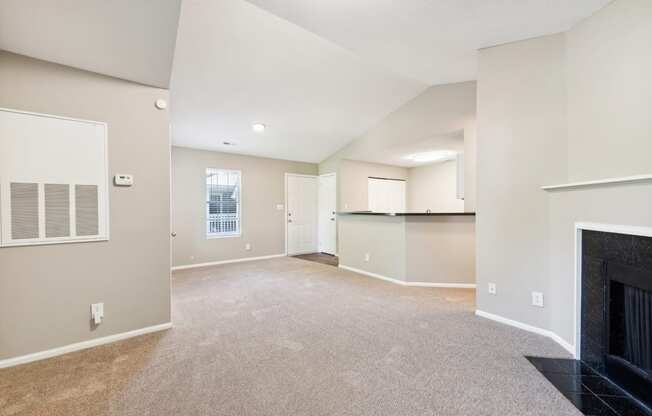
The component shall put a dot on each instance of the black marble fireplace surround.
(614, 375)
(616, 309)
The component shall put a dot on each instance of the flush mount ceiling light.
(227, 143)
(258, 127)
(435, 156)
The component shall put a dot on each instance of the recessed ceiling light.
(435, 156)
(226, 143)
(258, 127)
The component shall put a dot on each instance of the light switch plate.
(123, 179)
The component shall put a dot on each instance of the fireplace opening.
(616, 302)
(629, 328)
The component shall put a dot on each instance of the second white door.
(327, 214)
(302, 197)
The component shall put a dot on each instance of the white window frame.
(211, 236)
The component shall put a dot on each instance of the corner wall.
(46, 291)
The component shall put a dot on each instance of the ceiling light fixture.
(434, 156)
(226, 143)
(258, 127)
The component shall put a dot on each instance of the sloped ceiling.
(237, 64)
(128, 39)
(318, 73)
(433, 41)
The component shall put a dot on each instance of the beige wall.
(610, 92)
(470, 167)
(521, 145)
(352, 180)
(263, 187)
(440, 249)
(46, 291)
(434, 187)
(525, 235)
(383, 237)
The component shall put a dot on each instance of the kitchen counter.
(408, 214)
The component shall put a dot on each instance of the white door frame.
(285, 216)
(325, 175)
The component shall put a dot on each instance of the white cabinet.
(386, 195)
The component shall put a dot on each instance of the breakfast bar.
(435, 249)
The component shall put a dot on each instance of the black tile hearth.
(590, 404)
(590, 392)
(561, 365)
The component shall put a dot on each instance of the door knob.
(289, 220)
(332, 219)
(173, 234)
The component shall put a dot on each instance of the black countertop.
(408, 214)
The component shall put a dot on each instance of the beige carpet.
(291, 337)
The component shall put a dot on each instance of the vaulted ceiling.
(432, 41)
(321, 73)
(128, 39)
(317, 73)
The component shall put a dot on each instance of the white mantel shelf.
(625, 179)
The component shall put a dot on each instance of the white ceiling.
(396, 155)
(128, 39)
(236, 64)
(433, 41)
(318, 73)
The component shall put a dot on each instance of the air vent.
(57, 210)
(24, 210)
(86, 210)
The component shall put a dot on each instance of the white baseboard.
(411, 284)
(41, 355)
(530, 328)
(217, 263)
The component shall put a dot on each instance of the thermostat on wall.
(122, 179)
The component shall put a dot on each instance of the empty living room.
(325, 208)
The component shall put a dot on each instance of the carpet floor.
(291, 337)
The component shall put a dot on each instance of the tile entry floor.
(590, 392)
(322, 258)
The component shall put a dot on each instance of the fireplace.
(616, 309)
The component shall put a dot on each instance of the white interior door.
(302, 197)
(327, 214)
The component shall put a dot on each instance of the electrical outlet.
(97, 313)
(537, 299)
(492, 288)
(367, 256)
(247, 246)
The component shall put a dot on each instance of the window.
(223, 192)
